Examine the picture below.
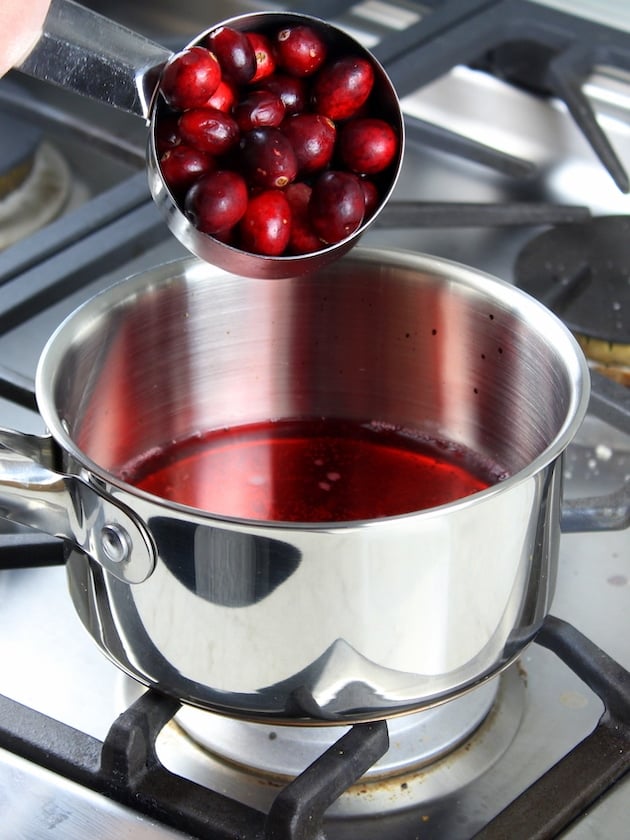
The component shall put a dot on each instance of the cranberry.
(263, 53)
(268, 158)
(371, 196)
(266, 224)
(300, 50)
(217, 201)
(291, 90)
(367, 145)
(302, 237)
(167, 133)
(190, 77)
(235, 54)
(209, 130)
(223, 99)
(248, 158)
(343, 87)
(259, 108)
(337, 206)
(182, 165)
(313, 139)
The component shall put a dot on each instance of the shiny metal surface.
(93, 56)
(66, 506)
(339, 620)
(56, 809)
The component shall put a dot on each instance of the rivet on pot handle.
(34, 494)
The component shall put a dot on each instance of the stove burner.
(18, 144)
(582, 272)
(35, 181)
(432, 753)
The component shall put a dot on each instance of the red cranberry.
(300, 50)
(217, 201)
(259, 108)
(371, 196)
(167, 133)
(343, 87)
(209, 130)
(302, 237)
(235, 54)
(223, 99)
(291, 91)
(268, 158)
(182, 165)
(190, 78)
(337, 206)
(266, 224)
(313, 139)
(367, 145)
(278, 110)
(263, 53)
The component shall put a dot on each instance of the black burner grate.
(582, 272)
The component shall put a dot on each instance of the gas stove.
(518, 118)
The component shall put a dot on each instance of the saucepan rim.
(69, 330)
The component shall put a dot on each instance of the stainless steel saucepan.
(316, 622)
(89, 54)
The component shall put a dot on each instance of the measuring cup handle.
(33, 493)
(94, 56)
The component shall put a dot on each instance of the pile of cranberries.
(272, 141)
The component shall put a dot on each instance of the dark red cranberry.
(235, 54)
(343, 87)
(291, 90)
(302, 237)
(268, 158)
(190, 77)
(209, 130)
(263, 52)
(266, 224)
(259, 108)
(182, 165)
(367, 145)
(313, 139)
(300, 50)
(217, 201)
(371, 196)
(223, 99)
(167, 133)
(337, 206)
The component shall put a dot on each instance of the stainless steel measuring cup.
(88, 53)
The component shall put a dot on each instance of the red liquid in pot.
(312, 470)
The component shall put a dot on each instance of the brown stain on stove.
(399, 783)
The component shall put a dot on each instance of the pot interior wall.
(433, 348)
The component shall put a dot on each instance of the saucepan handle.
(33, 493)
(94, 56)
